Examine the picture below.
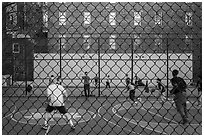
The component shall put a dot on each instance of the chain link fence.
(145, 40)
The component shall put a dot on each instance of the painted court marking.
(47, 131)
(141, 123)
(35, 116)
(113, 122)
(145, 124)
(10, 114)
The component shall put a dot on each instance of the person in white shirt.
(55, 94)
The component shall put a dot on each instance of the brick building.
(114, 38)
(151, 26)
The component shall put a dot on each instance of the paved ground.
(78, 91)
(115, 116)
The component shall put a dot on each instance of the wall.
(146, 66)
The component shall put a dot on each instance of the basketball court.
(112, 42)
(100, 115)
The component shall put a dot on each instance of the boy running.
(179, 86)
(55, 93)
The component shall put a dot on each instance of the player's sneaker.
(185, 121)
(72, 128)
(187, 102)
(199, 104)
(135, 103)
(45, 127)
(161, 102)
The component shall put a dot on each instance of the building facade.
(147, 39)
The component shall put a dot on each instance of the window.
(158, 18)
(12, 21)
(137, 18)
(45, 16)
(158, 41)
(16, 48)
(188, 18)
(86, 42)
(112, 42)
(112, 17)
(45, 19)
(11, 18)
(87, 18)
(62, 18)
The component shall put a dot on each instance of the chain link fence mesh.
(146, 40)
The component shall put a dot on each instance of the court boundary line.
(161, 117)
(129, 120)
(10, 114)
(145, 110)
(160, 132)
(36, 123)
(95, 114)
(48, 129)
(113, 122)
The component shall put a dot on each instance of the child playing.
(131, 90)
(179, 89)
(127, 81)
(160, 86)
(108, 82)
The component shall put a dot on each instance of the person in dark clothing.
(199, 88)
(179, 89)
(131, 90)
(108, 82)
(51, 79)
(161, 88)
(59, 80)
(29, 88)
(86, 79)
(127, 81)
(96, 81)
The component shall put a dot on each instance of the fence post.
(99, 86)
(167, 66)
(132, 60)
(25, 67)
(60, 57)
